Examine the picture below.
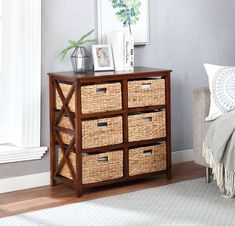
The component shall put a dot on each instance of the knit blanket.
(219, 152)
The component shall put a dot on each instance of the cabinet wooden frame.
(75, 118)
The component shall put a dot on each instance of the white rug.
(187, 203)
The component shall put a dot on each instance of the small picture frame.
(102, 57)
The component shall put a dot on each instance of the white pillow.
(222, 89)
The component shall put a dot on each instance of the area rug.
(186, 203)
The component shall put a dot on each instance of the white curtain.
(21, 71)
(4, 101)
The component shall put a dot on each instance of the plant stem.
(128, 18)
(130, 29)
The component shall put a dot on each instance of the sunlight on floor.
(32, 203)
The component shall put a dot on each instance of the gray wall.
(183, 35)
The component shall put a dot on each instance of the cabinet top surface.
(89, 75)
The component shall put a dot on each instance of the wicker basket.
(65, 123)
(146, 93)
(147, 159)
(95, 133)
(66, 137)
(96, 168)
(102, 132)
(65, 89)
(147, 126)
(101, 98)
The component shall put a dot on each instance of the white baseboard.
(24, 182)
(182, 156)
(43, 179)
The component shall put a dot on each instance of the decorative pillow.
(222, 89)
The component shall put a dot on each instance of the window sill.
(10, 153)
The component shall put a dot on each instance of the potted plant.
(80, 56)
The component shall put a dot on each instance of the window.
(20, 73)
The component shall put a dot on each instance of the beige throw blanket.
(219, 152)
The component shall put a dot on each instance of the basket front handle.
(102, 124)
(146, 85)
(103, 159)
(148, 119)
(102, 90)
(147, 152)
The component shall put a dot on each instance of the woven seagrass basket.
(95, 98)
(147, 126)
(147, 159)
(97, 167)
(146, 93)
(96, 133)
(66, 137)
(102, 132)
(65, 123)
(101, 98)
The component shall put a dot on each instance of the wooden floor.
(44, 197)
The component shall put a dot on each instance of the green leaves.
(127, 11)
(65, 51)
(74, 44)
(86, 35)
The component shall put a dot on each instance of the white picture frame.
(102, 57)
(107, 21)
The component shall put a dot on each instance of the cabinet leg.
(52, 179)
(53, 182)
(168, 174)
(79, 192)
(208, 175)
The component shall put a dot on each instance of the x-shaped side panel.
(65, 159)
(65, 101)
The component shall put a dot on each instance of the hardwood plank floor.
(45, 197)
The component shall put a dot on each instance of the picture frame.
(107, 21)
(102, 57)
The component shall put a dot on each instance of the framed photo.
(110, 18)
(102, 58)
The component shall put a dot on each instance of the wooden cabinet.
(109, 127)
